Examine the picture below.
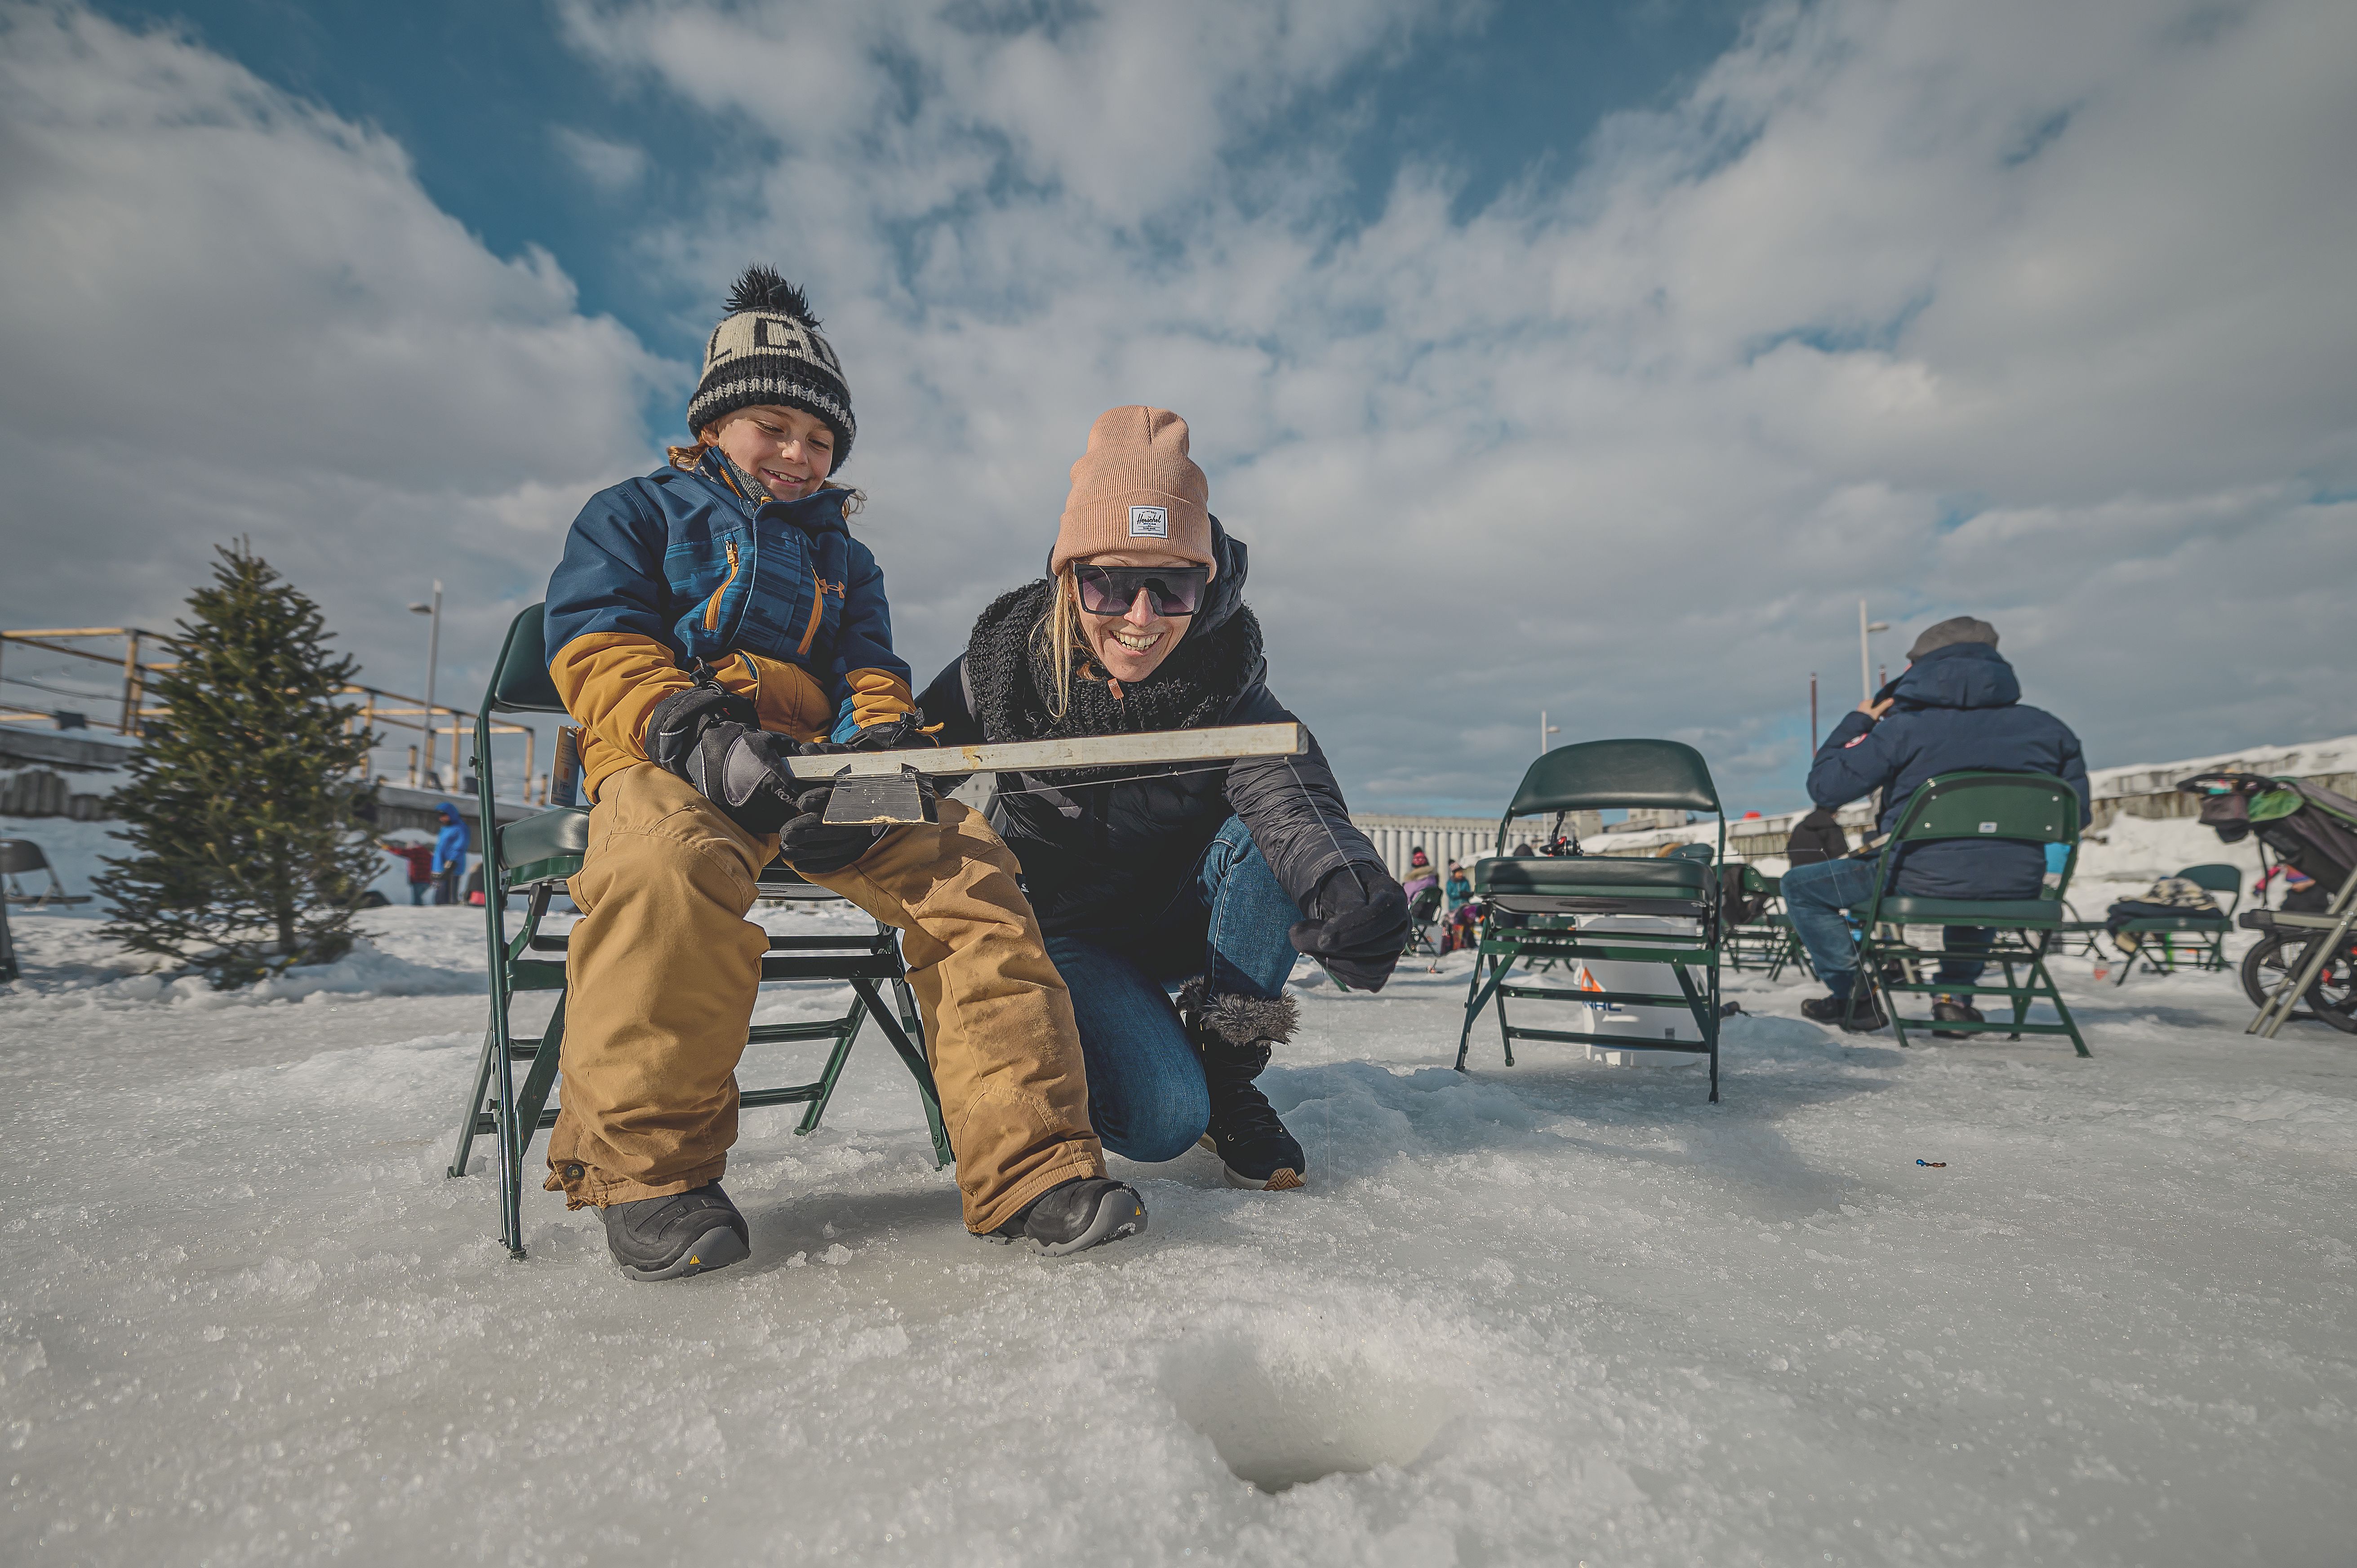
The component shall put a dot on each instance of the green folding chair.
(534, 857)
(1538, 910)
(2030, 807)
(2205, 935)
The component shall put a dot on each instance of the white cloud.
(1632, 448)
(228, 313)
(611, 166)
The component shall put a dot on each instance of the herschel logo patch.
(1149, 523)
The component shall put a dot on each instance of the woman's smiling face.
(790, 452)
(1131, 645)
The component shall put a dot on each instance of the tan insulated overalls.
(663, 968)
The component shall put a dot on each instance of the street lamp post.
(1866, 660)
(432, 659)
(1546, 729)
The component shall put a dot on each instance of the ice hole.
(1280, 1415)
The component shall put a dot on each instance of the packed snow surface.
(1549, 1314)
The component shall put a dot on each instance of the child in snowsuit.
(708, 622)
(419, 859)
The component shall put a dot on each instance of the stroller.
(2313, 830)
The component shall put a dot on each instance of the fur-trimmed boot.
(1233, 1036)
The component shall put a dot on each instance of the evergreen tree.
(240, 807)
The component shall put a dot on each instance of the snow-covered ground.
(1549, 1314)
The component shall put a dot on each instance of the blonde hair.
(685, 459)
(1059, 637)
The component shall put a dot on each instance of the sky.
(1596, 359)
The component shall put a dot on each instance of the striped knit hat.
(766, 349)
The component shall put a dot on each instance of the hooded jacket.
(1102, 859)
(677, 569)
(1956, 708)
(450, 844)
(1816, 837)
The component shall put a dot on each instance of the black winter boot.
(1949, 1010)
(1234, 1036)
(673, 1237)
(1075, 1215)
(1858, 1014)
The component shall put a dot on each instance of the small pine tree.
(241, 809)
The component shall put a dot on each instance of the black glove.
(706, 736)
(678, 721)
(1358, 926)
(811, 844)
(903, 734)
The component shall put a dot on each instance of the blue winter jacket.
(677, 569)
(450, 844)
(1957, 708)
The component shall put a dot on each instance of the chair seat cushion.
(1621, 876)
(549, 835)
(1905, 910)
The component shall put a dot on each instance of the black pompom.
(760, 288)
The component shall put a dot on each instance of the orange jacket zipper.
(712, 605)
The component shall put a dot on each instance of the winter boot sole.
(1115, 1217)
(1285, 1178)
(716, 1249)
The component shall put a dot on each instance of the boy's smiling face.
(790, 452)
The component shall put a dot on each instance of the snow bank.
(78, 851)
(1543, 1314)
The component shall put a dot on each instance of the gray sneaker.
(673, 1237)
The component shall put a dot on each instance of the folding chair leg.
(533, 1096)
(1505, 1037)
(1477, 996)
(919, 1069)
(2038, 972)
(474, 1106)
(836, 1058)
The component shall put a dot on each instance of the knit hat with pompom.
(766, 349)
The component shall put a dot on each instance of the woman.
(1206, 878)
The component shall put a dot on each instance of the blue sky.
(1591, 358)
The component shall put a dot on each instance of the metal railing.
(378, 708)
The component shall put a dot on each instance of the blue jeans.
(1230, 923)
(418, 892)
(1815, 896)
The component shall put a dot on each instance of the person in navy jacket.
(1957, 706)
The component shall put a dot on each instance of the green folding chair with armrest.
(2203, 934)
(534, 857)
(1546, 908)
(2028, 807)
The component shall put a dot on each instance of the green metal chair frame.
(534, 857)
(1767, 940)
(1560, 890)
(2024, 806)
(2205, 935)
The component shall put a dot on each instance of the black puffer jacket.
(1103, 858)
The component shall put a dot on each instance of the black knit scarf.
(1010, 674)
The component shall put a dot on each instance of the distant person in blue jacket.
(1957, 706)
(449, 855)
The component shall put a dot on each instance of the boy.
(708, 622)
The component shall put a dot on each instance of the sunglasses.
(1111, 590)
